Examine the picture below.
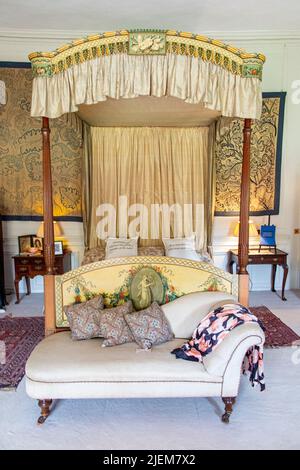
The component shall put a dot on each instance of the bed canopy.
(147, 78)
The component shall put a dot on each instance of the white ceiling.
(186, 15)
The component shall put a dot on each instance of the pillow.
(114, 327)
(84, 318)
(181, 248)
(149, 326)
(119, 247)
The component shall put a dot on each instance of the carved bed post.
(244, 217)
(48, 231)
(48, 203)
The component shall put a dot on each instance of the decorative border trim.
(37, 218)
(15, 65)
(237, 61)
(275, 211)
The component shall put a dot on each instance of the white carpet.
(268, 420)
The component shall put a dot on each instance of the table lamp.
(56, 228)
(252, 229)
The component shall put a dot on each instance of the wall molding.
(68, 35)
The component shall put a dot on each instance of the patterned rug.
(19, 335)
(277, 333)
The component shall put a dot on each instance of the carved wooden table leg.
(229, 402)
(28, 285)
(45, 410)
(17, 291)
(285, 274)
(274, 267)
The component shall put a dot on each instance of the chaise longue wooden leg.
(45, 410)
(229, 402)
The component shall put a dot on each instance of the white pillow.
(181, 248)
(119, 247)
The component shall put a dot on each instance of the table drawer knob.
(38, 268)
(249, 260)
(262, 258)
(24, 261)
(275, 259)
(23, 270)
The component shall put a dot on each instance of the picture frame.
(38, 242)
(25, 242)
(58, 247)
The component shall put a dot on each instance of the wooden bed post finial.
(48, 202)
(244, 215)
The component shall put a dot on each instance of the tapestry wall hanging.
(266, 149)
(21, 195)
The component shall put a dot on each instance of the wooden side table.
(265, 256)
(31, 266)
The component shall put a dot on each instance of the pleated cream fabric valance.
(152, 63)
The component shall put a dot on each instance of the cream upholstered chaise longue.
(62, 368)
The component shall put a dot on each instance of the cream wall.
(281, 69)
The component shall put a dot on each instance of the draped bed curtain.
(150, 165)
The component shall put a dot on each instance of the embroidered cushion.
(149, 326)
(114, 327)
(118, 247)
(183, 248)
(84, 318)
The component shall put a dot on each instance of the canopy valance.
(128, 64)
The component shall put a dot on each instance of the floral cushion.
(114, 327)
(98, 253)
(93, 254)
(84, 318)
(149, 326)
(151, 251)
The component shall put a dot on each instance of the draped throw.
(149, 166)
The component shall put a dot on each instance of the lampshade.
(56, 227)
(2, 92)
(252, 229)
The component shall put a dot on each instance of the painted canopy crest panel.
(266, 149)
(127, 64)
(139, 278)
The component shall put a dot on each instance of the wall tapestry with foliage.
(20, 154)
(266, 147)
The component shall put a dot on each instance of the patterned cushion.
(84, 318)
(114, 327)
(151, 251)
(149, 326)
(93, 254)
(98, 253)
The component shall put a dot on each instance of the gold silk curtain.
(148, 166)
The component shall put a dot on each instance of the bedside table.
(31, 266)
(265, 256)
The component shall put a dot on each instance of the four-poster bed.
(195, 79)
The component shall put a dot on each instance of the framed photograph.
(58, 248)
(37, 242)
(25, 243)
